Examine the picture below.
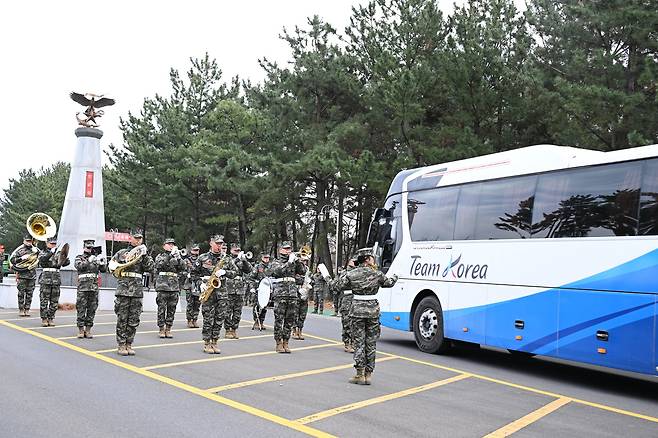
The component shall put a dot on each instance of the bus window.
(590, 202)
(467, 207)
(649, 199)
(505, 209)
(432, 214)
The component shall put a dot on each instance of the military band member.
(130, 294)
(88, 266)
(320, 291)
(364, 281)
(345, 305)
(168, 266)
(50, 281)
(257, 274)
(192, 286)
(236, 290)
(214, 309)
(288, 274)
(25, 278)
(302, 302)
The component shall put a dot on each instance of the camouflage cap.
(217, 238)
(88, 243)
(195, 247)
(264, 254)
(27, 236)
(170, 240)
(363, 254)
(137, 233)
(51, 239)
(286, 244)
(235, 246)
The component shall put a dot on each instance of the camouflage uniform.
(364, 281)
(236, 289)
(167, 269)
(287, 279)
(25, 279)
(302, 306)
(345, 305)
(87, 298)
(191, 285)
(214, 310)
(129, 296)
(258, 313)
(320, 292)
(50, 281)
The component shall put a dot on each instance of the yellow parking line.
(362, 404)
(237, 356)
(103, 335)
(526, 420)
(75, 325)
(172, 344)
(180, 385)
(530, 389)
(57, 318)
(288, 376)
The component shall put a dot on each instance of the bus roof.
(531, 159)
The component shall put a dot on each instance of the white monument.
(83, 215)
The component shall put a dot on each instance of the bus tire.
(428, 326)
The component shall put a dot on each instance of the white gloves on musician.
(292, 257)
(25, 257)
(221, 272)
(35, 249)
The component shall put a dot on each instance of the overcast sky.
(124, 49)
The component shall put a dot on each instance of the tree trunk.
(339, 227)
(242, 221)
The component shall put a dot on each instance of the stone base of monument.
(9, 298)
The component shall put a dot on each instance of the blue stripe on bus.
(628, 318)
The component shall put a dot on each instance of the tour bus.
(545, 250)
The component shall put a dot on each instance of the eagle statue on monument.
(92, 102)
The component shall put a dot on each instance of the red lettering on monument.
(89, 185)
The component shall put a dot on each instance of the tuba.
(133, 257)
(41, 227)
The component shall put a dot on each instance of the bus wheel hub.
(428, 324)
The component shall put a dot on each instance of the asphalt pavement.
(54, 384)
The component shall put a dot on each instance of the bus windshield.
(385, 231)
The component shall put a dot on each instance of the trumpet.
(304, 253)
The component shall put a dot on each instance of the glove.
(35, 249)
(252, 290)
(241, 255)
(221, 272)
(25, 257)
(189, 275)
(53, 250)
(292, 257)
(92, 258)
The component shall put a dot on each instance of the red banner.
(89, 185)
(117, 237)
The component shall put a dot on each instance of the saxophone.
(213, 282)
